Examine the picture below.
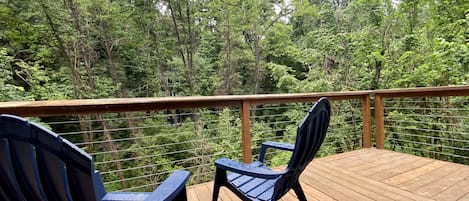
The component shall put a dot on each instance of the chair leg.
(182, 196)
(299, 192)
(220, 179)
(216, 191)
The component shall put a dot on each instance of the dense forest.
(82, 49)
(75, 49)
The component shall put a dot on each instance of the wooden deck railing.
(244, 102)
(380, 95)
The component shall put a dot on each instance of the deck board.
(399, 169)
(454, 192)
(441, 184)
(376, 186)
(417, 172)
(370, 174)
(347, 183)
(430, 177)
(464, 198)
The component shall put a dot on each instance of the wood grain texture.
(379, 121)
(440, 184)
(112, 105)
(246, 131)
(417, 172)
(424, 91)
(366, 116)
(454, 192)
(338, 177)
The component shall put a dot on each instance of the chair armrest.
(245, 169)
(171, 188)
(125, 196)
(98, 185)
(276, 145)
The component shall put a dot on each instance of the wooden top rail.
(88, 106)
(427, 91)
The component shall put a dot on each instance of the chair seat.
(255, 181)
(255, 188)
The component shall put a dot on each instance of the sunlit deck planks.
(371, 174)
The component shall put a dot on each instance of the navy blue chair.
(38, 165)
(255, 181)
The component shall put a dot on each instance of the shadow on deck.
(370, 174)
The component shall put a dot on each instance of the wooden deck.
(370, 174)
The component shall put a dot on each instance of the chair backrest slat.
(310, 134)
(23, 158)
(82, 172)
(8, 181)
(309, 137)
(52, 168)
(46, 166)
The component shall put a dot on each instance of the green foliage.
(283, 75)
(228, 138)
(8, 91)
(72, 49)
(429, 127)
(121, 48)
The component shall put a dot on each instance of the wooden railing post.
(379, 118)
(246, 131)
(366, 118)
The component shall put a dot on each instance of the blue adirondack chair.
(255, 181)
(37, 164)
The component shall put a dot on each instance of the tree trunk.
(113, 148)
(162, 68)
(189, 65)
(85, 53)
(75, 76)
(257, 55)
(188, 44)
(377, 76)
(190, 51)
(228, 70)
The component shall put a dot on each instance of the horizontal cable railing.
(137, 142)
(135, 150)
(429, 126)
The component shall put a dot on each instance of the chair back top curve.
(311, 132)
(37, 164)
